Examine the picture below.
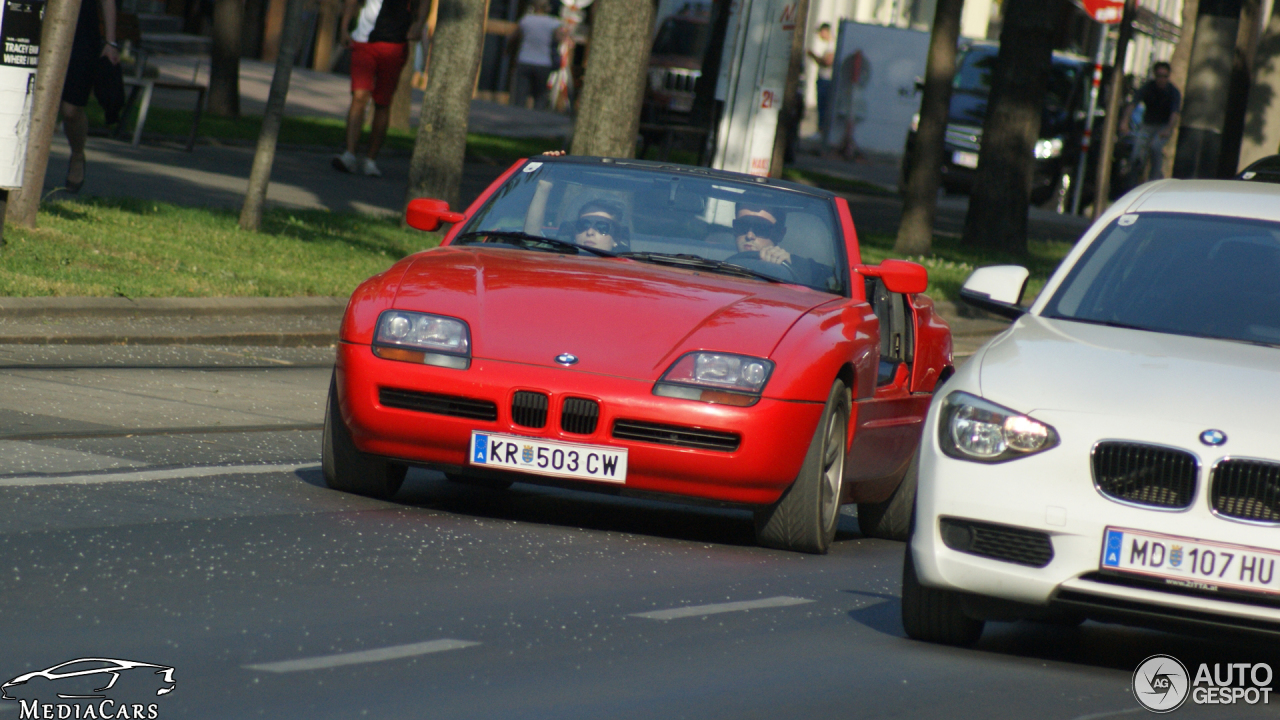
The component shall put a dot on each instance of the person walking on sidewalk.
(1162, 105)
(379, 48)
(539, 34)
(86, 48)
(822, 52)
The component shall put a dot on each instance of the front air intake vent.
(529, 409)
(1247, 490)
(579, 415)
(998, 542)
(1141, 474)
(677, 435)
(438, 404)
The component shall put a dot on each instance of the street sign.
(1108, 12)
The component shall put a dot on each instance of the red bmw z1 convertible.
(648, 329)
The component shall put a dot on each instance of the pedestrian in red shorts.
(379, 48)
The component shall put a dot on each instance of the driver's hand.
(775, 255)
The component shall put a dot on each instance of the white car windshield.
(1198, 275)
(707, 223)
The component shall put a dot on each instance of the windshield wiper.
(524, 237)
(1106, 323)
(701, 263)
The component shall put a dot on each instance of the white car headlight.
(423, 338)
(971, 428)
(1050, 148)
(722, 378)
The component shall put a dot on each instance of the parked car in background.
(1115, 454)
(648, 329)
(675, 64)
(1057, 152)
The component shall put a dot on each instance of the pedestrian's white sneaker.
(370, 168)
(346, 162)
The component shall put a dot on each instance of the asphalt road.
(165, 505)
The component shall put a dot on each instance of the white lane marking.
(394, 652)
(699, 610)
(170, 474)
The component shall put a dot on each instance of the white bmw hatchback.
(1115, 454)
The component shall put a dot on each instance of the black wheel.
(804, 519)
(891, 519)
(934, 615)
(346, 468)
(751, 260)
(486, 483)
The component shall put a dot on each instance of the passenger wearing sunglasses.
(759, 229)
(600, 226)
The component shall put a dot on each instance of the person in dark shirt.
(379, 48)
(87, 46)
(759, 229)
(1162, 106)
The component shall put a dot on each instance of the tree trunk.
(224, 65)
(1178, 67)
(1001, 193)
(55, 53)
(613, 88)
(792, 95)
(1262, 118)
(255, 198)
(1102, 184)
(924, 173)
(440, 148)
(1238, 94)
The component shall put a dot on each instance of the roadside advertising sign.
(1108, 12)
(20, 22)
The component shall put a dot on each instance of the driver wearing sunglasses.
(600, 226)
(759, 229)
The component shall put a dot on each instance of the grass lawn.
(135, 248)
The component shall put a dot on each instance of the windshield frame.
(790, 196)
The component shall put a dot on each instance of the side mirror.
(997, 289)
(899, 276)
(428, 213)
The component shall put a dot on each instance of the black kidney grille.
(579, 415)
(998, 542)
(438, 404)
(1247, 489)
(675, 435)
(529, 409)
(1145, 474)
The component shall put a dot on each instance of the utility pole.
(55, 53)
(264, 157)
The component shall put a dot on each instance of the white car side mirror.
(997, 289)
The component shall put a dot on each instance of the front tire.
(934, 615)
(891, 519)
(345, 467)
(805, 518)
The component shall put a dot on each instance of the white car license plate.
(964, 158)
(549, 457)
(1191, 563)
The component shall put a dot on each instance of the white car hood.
(1060, 365)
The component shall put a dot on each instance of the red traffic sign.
(1108, 12)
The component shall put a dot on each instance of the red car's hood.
(618, 317)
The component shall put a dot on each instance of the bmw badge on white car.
(1115, 454)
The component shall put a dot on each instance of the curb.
(12, 308)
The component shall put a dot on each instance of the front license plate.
(549, 457)
(1201, 564)
(964, 158)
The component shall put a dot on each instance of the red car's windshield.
(672, 218)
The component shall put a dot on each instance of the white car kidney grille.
(1141, 474)
(1247, 490)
